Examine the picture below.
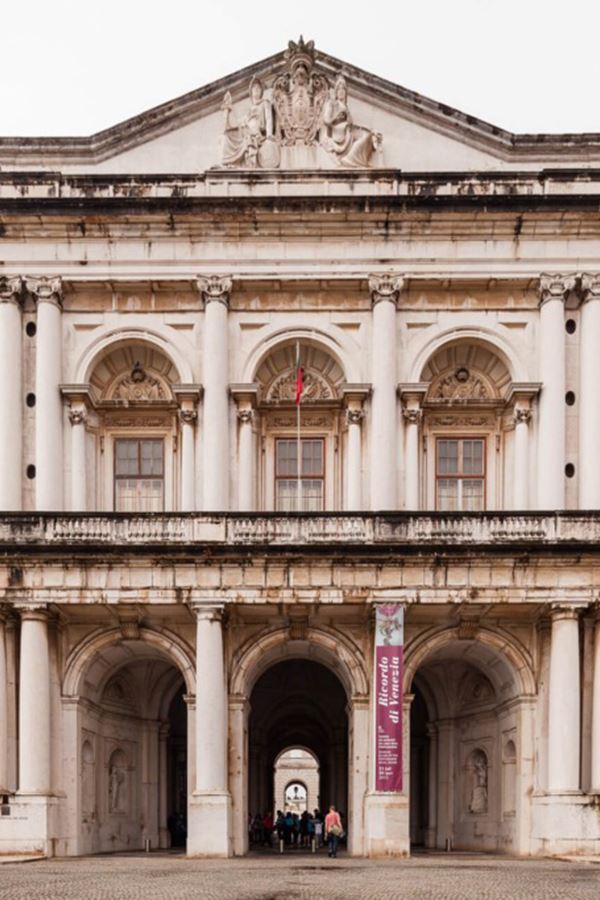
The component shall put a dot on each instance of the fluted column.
(412, 421)
(385, 291)
(216, 292)
(4, 776)
(34, 703)
(246, 461)
(210, 809)
(564, 735)
(551, 427)
(520, 499)
(595, 775)
(11, 401)
(78, 418)
(49, 410)
(589, 384)
(187, 420)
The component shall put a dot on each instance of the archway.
(469, 714)
(125, 694)
(298, 703)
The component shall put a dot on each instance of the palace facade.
(182, 599)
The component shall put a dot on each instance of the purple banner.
(389, 646)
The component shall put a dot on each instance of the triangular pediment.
(299, 110)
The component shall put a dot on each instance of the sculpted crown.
(299, 53)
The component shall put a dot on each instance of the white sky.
(77, 66)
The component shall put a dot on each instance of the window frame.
(323, 478)
(483, 476)
(139, 440)
(108, 436)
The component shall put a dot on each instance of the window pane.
(287, 492)
(472, 494)
(312, 457)
(312, 495)
(447, 457)
(139, 495)
(447, 498)
(151, 453)
(286, 458)
(126, 457)
(473, 457)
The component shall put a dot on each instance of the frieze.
(137, 421)
(461, 421)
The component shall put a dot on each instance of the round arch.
(112, 338)
(483, 336)
(168, 645)
(302, 747)
(339, 347)
(331, 648)
(503, 646)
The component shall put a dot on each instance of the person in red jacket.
(333, 830)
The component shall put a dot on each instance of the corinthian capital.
(555, 287)
(11, 289)
(215, 287)
(45, 289)
(590, 286)
(385, 287)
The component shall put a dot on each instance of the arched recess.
(123, 694)
(327, 646)
(345, 665)
(473, 690)
(113, 338)
(334, 343)
(492, 340)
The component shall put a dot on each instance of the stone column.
(216, 292)
(4, 773)
(431, 835)
(239, 709)
(520, 499)
(412, 419)
(246, 461)
(564, 735)
(358, 765)
(354, 418)
(554, 290)
(163, 779)
(78, 419)
(187, 420)
(11, 400)
(589, 381)
(595, 773)
(49, 410)
(34, 702)
(210, 805)
(385, 291)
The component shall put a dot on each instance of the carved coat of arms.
(299, 96)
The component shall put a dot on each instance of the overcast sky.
(72, 67)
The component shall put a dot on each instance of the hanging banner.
(389, 645)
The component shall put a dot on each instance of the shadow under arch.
(331, 648)
(337, 347)
(166, 643)
(114, 338)
(482, 336)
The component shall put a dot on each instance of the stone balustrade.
(396, 529)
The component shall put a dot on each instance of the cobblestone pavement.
(455, 877)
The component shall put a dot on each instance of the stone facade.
(169, 623)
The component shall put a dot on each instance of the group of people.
(298, 831)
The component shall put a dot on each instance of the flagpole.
(298, 448)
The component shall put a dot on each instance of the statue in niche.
(251, 142)
(116, 781)
(138, 385)
(351, 145)
(479, 792)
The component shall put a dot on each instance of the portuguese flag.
(299, 373)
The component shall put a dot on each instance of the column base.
(386, 825)
(209, 824)
(31, 826)
(565, 823)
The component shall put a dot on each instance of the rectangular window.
(460, 474)
(139, 475)
(312, 474)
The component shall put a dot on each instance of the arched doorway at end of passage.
(300, 705)
(132, 748)
(296, 781)
(466, 722)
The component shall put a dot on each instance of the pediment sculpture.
(462, 384)
(314, 387)
(138, 385)
(303, 109)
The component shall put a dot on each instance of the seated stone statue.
(352, 145)
(250, 142)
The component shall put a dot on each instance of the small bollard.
(147, 845)
(448, 845)
(313, 845)
(281, 845)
